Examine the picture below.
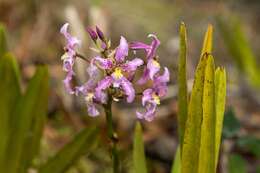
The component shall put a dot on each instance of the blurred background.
(33, 37)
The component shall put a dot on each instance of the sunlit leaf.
(182, 83)
(23, 114)
(191, 142)
(236, 164)
(3, 42)
(176, 167)
(83, 143)
(139, 155)
(207, 145)
(220, 100)
(207, 43)
(10, 93)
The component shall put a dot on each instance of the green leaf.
(3, 43)
(250, 143)
(220, 100)
(236, 164)
(176, 167)
(28, 106)
(239, 47)
(139, 155)
(231, 124)
(83, 143)
(33, 138)
(182, 83)
(207, 145)
(10, 92)
(191, 142)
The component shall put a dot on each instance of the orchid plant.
(112, 77)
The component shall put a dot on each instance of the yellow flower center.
(156, 98)
(155, 63)
(118, 73)
(64, 56)
(89, 97)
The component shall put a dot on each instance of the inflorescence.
(112, 73)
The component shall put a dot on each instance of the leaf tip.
(207, 44)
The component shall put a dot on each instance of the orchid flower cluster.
(112, 73)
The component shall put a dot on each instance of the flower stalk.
(112, 135)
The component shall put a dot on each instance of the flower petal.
(139, 115)
(149, 113)
(101, 86)
(92, 110)
(139, 45)
(153, 66)
(132, 65)
(93, 71)
(80, 89)
(154, 45)
(100, 96)
(144, 78)
(150, 49)
(64, 29)
(128, 89)
(121, 50)
(104, 83)
(161, 90)
(164, 78)
(160, 83)
(103, 63)
(147, 96)
(67, 83)
(68, 64)
(72, 42)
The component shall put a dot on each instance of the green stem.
(112, 135)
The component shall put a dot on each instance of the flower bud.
(92, 34)
(100, 34)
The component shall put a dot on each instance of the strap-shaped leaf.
(10, 93)
(27, 107)
(33, 138)
(240, 49)
(207, 43)
(207, 145)
(220, 100)
(83, 143)
(182, 83)
(191, 142)
(139, 155)
(3, 43)
(176, 167)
